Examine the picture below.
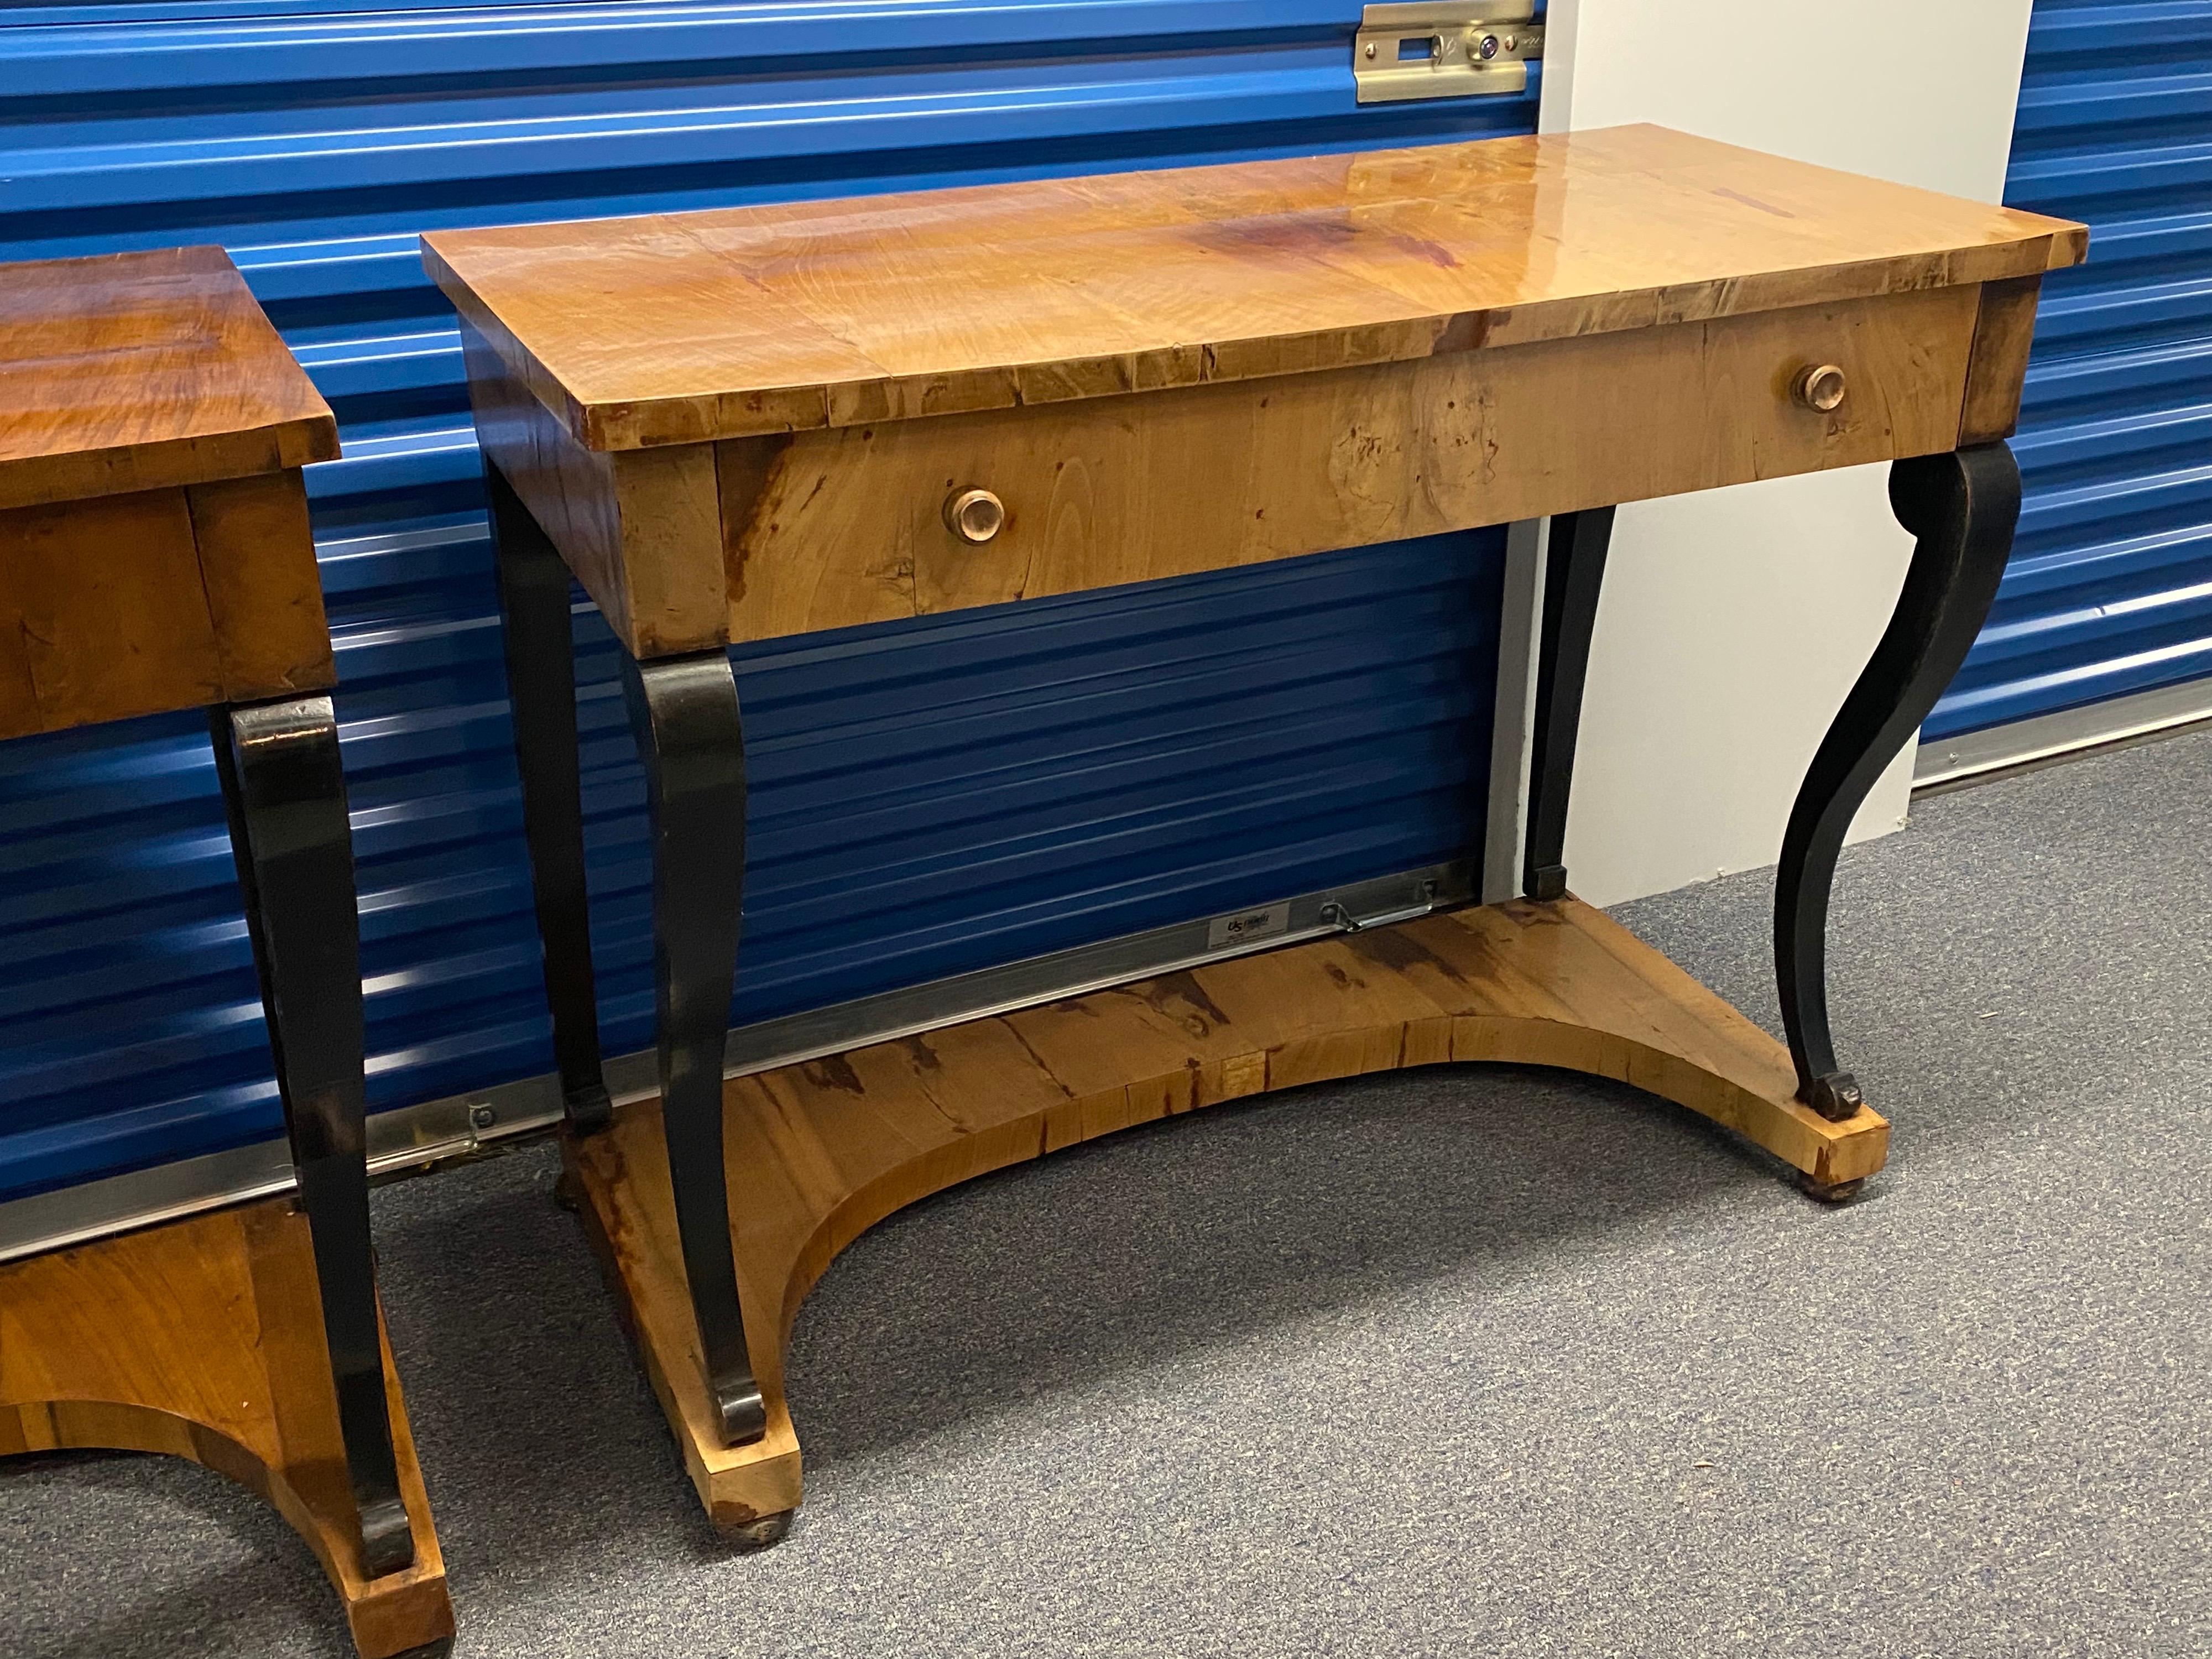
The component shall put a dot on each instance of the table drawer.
(828, 528)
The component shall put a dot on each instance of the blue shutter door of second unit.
(2110, 588)
(929, 798)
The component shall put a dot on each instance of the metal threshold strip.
(415, 1139)
(1984, 756)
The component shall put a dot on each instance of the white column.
(1733, 621)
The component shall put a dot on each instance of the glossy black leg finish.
(285, 794)
(1961, 509)
(541, 679)
(1574, 570)
(684, 712)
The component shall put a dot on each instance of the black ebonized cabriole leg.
(1574, 570)
(285, 794)
(541, 679)
(1961, 509)
(684, 712)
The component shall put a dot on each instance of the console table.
(155, 556)
(740, 424)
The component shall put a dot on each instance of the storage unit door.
(2109, 595)
(929, 798)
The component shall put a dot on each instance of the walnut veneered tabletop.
(714, 413)
(155, 552)
(685, 328)
(130, 371)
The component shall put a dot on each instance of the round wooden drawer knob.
(975, 515)
(1820, 387)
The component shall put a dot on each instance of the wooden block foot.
(819, 1152)
(203, 1338)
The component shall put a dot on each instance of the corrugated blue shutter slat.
(929, 797)
(2110, 588)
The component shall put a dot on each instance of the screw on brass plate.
(1819, 388)
(975, 515)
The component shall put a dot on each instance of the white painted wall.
(1733, 621)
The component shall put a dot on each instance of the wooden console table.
(154, 556)
(736, 425)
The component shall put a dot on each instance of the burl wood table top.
(688, 328)
(139, 371)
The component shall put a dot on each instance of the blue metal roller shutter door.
(929, 798)
(2110, 588)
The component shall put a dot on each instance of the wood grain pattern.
(2003, 331)
(689, 328)
(105, 600)
(128, 372)
(865, 578)
(819, 1152)
(256, 559)
(203, 1339)
(156, 600)
(642, 530)
(849, 526)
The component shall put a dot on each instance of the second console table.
(155, 557)
(740, 424)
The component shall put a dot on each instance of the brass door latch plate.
(1445, 49)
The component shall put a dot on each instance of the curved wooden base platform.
(203, 1338)
(819, 1152)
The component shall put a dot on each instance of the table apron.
(761, 538)
(159, 600)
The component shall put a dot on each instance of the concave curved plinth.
(819, 1152)
(203, 1338)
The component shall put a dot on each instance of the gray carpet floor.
(1467, 1361)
